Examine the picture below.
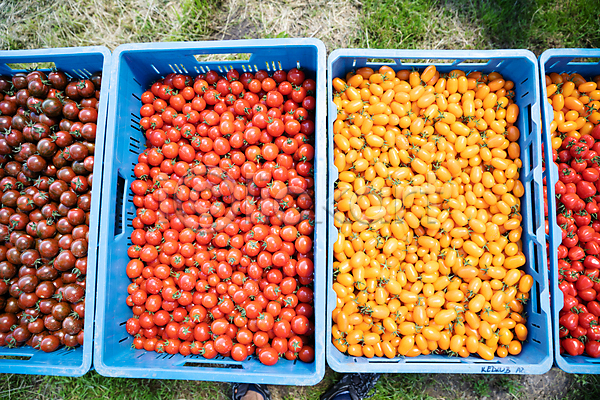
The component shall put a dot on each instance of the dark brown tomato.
(8, 107)
(40, 199)
(63, 209)
(48, 248)
(7, 320)
(57, 188)
(79, 167)
(7, 183)
(81, 267)
(49, 211)
(65, 261)
(5, 83)
(66, 174)
(69, 198)
(36, 163)
(79, 248)
(30, 257)
(18, 221)
(58, 79)
(72, 91)
(88, 114)
(78, 151)
(13, 256)
(59, 160)
(19, 122)
(24, 242)
(76, 216)
(79, 308)
(96, 78)
(73, 293)
(15, 137)
(26, 271)
(36, 75)
(72, 325)
(27, 300)
(45, 230)
(60, 334)
(61, 310)
(81, 232)
(70, 340)
(25, 203)
(3, 250)
(52, 107)
(45, 290)
(88, 131)
(49, 344)
(12, 305)
(5, 148)
(63, 139)
(36, 326)
(85, 202)
(21, 334)
(50, 121)
(46, 147)
(51, 323)
(88, 164)
(91, 102)
(28, 283)
(69, 277)
(65, 242)
(85, 88)
(46, 305)
(65, 125)
(7, 270)
(12, 168)
(19, 80)
(80, 184)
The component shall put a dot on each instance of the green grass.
(479, 24)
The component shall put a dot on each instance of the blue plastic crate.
(560, 60)
(519, 66)
(136, 67)
(78, 62)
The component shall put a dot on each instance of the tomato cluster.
(428, 258)
(221, 254)
(48, 125)
(575, 133)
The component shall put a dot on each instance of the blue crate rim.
(395, 366)
(580, 364)
(109, 176)
(86, 351)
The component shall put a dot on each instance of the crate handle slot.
(120, 197)
(475, 61)
(31, 66)
(381, 61)
(222, 57)
(584, 60)
(209, 365)
(24, 358)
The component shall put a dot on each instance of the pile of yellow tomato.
(428, 256)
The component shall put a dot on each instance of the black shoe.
(358, 385)
(239, 390)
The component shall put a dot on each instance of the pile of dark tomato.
(222, 249)
(575, 138)
(47, 135)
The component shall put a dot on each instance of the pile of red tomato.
(575, 133)
(222, 252)
(48, 130)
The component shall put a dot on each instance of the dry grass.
(43, 23)
(333, 21)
